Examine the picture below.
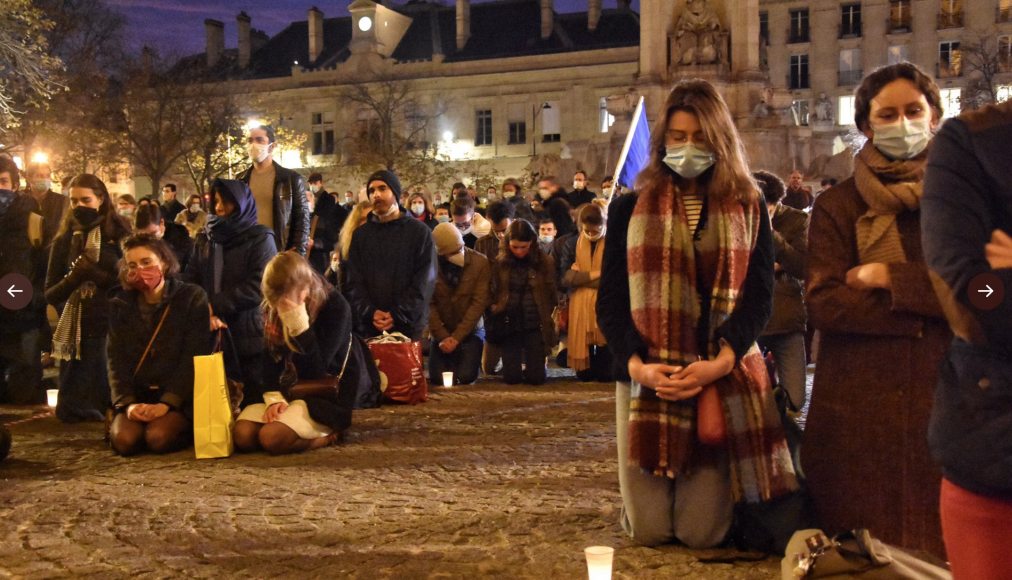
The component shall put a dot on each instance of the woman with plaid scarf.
(686, 289)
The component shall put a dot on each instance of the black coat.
(330, 217)
(391, 267)
(522, 209)
(171, 209)
(790, 243)
(234, 291)
(18, 256)
(169, 364)
(322, 351)
(557, 207)
(291, 208)
(578, 197)
(61, 280)
(178, 238)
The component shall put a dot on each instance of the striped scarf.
(67, 338)
(889, 187)
(666, 311)
(583, 329)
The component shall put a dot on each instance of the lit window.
(604, 119)
(951, 102)
(845, 110)
(898, 53)
(1004, 93)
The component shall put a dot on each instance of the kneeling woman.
(157, 324)
(322, 366)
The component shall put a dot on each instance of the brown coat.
(543, 287)
(865, 449)
(457, 311)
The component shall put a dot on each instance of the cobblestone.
(488, 480)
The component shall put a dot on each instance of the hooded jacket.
(228, 262)
(291, 208)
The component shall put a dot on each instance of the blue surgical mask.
(443, 219)
(7, 197)
(546, 239)
(688, 160)
(903, 140)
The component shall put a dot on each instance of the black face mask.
(85, 215)
(7, 198)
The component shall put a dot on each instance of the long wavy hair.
(356, 217)
(729, 177)
(114, 227)
(286, 273)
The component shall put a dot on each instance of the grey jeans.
(695, 509)
(789, 354)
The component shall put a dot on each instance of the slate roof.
(502, 29)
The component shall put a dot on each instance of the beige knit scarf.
(889, 187)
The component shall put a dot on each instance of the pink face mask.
(145, 279)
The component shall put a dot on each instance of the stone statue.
(824, 109)
(761, 110)
(696, 33)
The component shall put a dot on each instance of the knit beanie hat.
(389, 178)
(448, 239)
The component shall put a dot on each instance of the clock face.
(364, 23)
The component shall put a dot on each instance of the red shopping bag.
(399, 360)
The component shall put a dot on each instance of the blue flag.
(636, 151)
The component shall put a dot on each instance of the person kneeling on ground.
(322, 366)
(458, 301)
(157, 324)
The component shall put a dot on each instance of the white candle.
(447, 379)
(51, 396)
(599, 559)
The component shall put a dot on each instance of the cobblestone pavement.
(482, 481)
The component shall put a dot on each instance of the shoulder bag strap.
(152, 341)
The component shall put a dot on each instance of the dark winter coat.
(541, 286)
(52, 206)
(488, 247)
(178, 238)
(614, 314)
(967, 196)
(391, 267)
(168, 368)
(790, 242)
(557, 207)
(17, 256)
(522, 209)
(800, 198)
(456, 311)
(291, 208)
(578, 197)
(61, 280)
(865, 450)
(171, 209)
(330, 217)
(322, 351)
(228, 262)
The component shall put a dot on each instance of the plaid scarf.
(583, 329)
(67, 338)
(666, 310)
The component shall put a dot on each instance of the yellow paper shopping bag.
(212, 412)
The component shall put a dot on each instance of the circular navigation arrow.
(15, 291)
(986, 291)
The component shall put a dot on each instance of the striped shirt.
(693, 209)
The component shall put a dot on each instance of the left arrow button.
(15, 291)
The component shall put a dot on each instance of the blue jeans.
(464, 361)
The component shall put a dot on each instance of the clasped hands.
(999, 250)
(676, 383)
(145, 413)
(382, 321)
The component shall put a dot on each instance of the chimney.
(593, 14)
(315, 33)
(547, 19)
(214, 30)
(463, 23)
(243, 22)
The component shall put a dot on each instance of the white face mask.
(688, 160)
(418, 208)
(903, 140)
(606, 192)
(42, 185)
(579, 184)
(195, 208)
(258, 153)
(314, 188)
(546, 239)
(544, 194)
(594, 237)
(509, 193)
(126, 212)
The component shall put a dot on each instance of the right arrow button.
(986, 291)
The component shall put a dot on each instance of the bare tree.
(29, 74)
(394, 132)
(984, 61)
(216, 138)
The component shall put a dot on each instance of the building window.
(951, 99)
(517, 121)
(1004, 10)
(850, 67)
(1004, 93)
(764, 26)
(949, 59)
(950, 14)
(483, 127)
(899, 16)
(604, 119)
(898, 53)
(1005, 53)
(799, 110)
(845, 110)
(799, 26)
(323, 133)
(551, 123)
(850, 24)
(799, 72)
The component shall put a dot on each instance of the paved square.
(488, 481)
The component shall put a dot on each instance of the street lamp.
(535, 113)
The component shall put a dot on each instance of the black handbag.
(325, 387)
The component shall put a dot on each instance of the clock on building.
(364, 23)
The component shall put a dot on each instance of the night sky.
(177, 27)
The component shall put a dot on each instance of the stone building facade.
(532, 91)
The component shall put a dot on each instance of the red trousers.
(978, 534)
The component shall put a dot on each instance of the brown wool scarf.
(889, 187)
(666, 311)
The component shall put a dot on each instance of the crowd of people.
(681, 292)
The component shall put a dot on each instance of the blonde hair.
(730, 176)
(286, 273)
(360, 210)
